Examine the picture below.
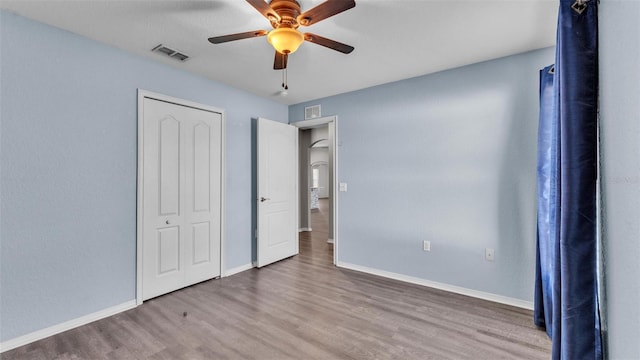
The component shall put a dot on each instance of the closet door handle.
(263, 199)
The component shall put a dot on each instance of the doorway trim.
(144, 94)
(310, 124)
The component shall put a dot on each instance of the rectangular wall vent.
(312, 112)
(172, 53)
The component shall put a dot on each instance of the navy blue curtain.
(566, 294)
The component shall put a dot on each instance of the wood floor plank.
(303, 308)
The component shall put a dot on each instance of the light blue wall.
(68, 170)
(448, 157)
(620, 138)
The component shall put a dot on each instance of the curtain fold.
(548, 245)
(566, 275)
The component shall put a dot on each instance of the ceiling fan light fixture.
(285, 40)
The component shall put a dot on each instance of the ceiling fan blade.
(265, 9)
(331, 44)
(324, 10)
(238, 36)
(280, 62)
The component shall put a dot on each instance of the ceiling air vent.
(172, 53)
(312, 112)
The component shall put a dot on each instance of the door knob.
(263, 199)
(167, 222)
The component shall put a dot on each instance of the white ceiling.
(393, 40)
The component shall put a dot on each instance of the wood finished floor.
(303, 308)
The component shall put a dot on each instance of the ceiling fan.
(285, 17)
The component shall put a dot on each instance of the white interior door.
(277, 191)
(181, 200)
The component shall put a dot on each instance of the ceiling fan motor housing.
(289, 10)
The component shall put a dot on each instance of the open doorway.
(317, 183)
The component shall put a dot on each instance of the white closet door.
(181, 196)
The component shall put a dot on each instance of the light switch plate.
(343, 187)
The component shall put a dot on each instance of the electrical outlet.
(426, 245)
(489, 254)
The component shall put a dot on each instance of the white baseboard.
(67, 325)
(238, 269)
(330, 241)
(441, 286)
(304, 229)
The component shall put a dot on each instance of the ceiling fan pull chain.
(283, 78)
(286, 79)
